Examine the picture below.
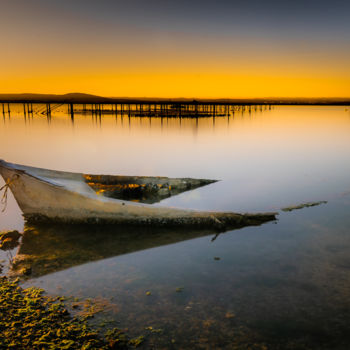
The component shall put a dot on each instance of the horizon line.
(177, 97)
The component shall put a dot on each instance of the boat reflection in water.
(48, 248)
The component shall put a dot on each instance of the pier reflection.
(130, 116)
(149, 110)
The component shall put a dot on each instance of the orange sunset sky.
(176, 49)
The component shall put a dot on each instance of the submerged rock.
(303, 205)
(15, 235)
(9, 239)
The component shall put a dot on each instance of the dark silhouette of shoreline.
(87, 98)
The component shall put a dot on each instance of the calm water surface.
(283, 285)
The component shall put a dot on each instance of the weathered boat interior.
(142, 189)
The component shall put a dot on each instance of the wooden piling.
(71, 106)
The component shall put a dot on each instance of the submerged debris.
(304, 205)
(88, 308)
(154, 330)
(230, 315)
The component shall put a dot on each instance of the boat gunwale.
(113, 212)
(90, 192)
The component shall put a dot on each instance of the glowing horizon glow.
(116, 50)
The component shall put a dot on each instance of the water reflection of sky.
(286, 283)
(265, 159)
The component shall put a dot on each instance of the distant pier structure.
(135, 108)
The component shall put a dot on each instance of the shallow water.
(283, 285)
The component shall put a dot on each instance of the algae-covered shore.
(31, 320)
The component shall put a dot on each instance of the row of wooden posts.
(141, 109)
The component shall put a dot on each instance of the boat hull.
(44, 201)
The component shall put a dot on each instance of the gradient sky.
(185, 48)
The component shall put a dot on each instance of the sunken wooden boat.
(56, 196)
